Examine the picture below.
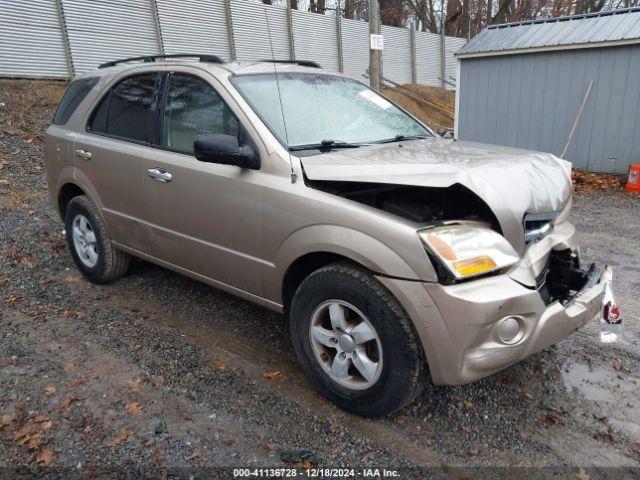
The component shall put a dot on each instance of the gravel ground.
(157, 375)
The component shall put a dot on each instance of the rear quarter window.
(73, 96)
(129, 110)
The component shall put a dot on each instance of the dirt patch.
(434, 106)
(25, 110)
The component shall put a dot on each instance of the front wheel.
(355, 342)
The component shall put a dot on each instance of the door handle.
(159, 175)
(83, 154)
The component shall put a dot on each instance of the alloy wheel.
(346, 344)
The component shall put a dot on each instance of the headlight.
(467, 251)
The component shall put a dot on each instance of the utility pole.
(374, 54)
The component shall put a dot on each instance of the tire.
(402, 371)
(100, 262)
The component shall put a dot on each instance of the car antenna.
(294, 176)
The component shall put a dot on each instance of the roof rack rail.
(153, 58)
(302, 63)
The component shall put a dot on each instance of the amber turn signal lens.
(473, 266)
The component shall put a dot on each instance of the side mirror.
(224, 149)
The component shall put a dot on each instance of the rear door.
(110, 154)
(204, 217)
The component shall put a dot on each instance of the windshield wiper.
(324, 145)
(401, 137)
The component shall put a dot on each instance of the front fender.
(339, 240)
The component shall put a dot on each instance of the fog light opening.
(511, 330)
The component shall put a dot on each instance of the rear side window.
(72, 97)
(129, 110)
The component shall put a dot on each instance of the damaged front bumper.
(473, 329)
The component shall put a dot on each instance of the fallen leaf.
(86, 431)
(527, 394)
(77, 381)
(550, 420)
(637, 447)
(70, 367)
(8, 361)
(49, 390)
(608, 435)
(65, 404)
(45, 455)
(618, 367)
(134, 385)
(158, 381)
(582, 474)
(402, 419)
(134, 408)
(508, 379)
(7, 419)
(220, 365)
(273, 375)
(229, 442)
(466, 429)
(150, 442)
(124, 435)
(158, 455)
(13, 298)
(32, 432)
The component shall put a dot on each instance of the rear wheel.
(90, 244)
(355, 342)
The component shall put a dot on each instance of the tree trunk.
(463, 31)
(349, 9)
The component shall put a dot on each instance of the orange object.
(633, 184)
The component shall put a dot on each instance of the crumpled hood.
(511, 181)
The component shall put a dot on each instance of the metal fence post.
(414, 63)
(292, 47)
(442, 55)
(156, 22)
(232, 40)
(339, 36)
(65, 40)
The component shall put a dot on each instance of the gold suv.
(401, 258)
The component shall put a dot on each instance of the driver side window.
(193, 108)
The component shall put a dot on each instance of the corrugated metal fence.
(64, 38)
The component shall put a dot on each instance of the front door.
(204, 217)
(111, 152)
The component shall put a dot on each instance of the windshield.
(320, 109)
